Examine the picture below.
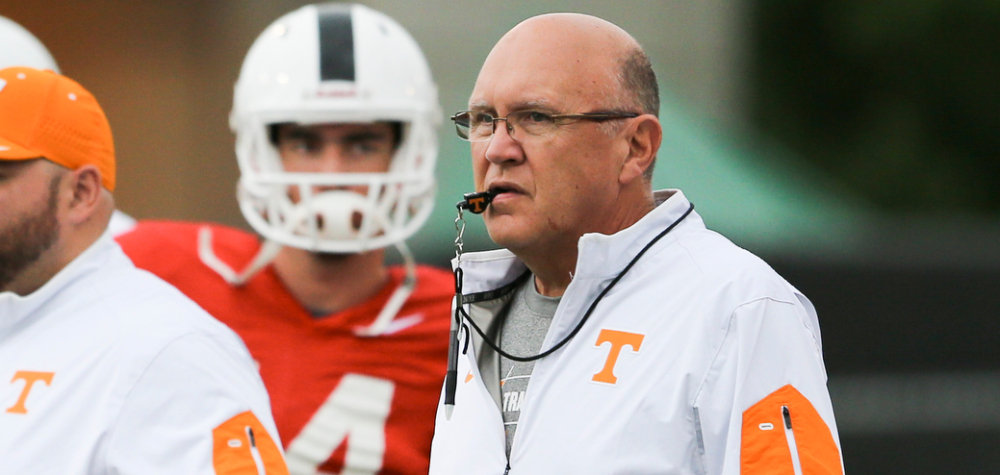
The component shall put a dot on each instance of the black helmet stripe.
(336, 43)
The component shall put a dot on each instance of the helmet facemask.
(326, 212)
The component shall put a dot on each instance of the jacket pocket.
(241, 445)
(793, 448)
(783, 434)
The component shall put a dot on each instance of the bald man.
(614, 333)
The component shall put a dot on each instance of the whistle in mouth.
(477, 202)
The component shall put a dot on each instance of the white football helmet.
(329, 63)
(18, 47)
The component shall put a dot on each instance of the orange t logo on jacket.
(30, 378)
(618, 339)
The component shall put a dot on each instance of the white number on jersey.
(354, 412)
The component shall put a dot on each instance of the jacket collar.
(14, 308)
(600, 255)
(603, 256)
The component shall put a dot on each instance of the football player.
(335, 114)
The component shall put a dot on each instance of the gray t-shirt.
(524, 327)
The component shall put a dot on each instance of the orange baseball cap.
(47, 115)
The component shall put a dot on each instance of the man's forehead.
(525, 67)
(570, 29)
(31, 166)
(20, 163)
(482, 104)
(543, 87)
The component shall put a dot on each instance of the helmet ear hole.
(376, 73)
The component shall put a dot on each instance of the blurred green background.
(852, 144)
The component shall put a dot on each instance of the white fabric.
(141, 375)
(721, 330)
(21, 48)
(120, 223)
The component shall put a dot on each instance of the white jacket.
(686, 366)
(108, 369)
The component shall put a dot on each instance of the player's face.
(28, 215)
(554, 187)
(336, 148)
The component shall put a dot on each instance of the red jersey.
(342, 402)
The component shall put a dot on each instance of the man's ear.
(85, 188)
(644, 136)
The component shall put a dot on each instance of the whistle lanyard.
(460, 311)
(477, 203)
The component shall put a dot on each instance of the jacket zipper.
(790, 437)
(257, 461)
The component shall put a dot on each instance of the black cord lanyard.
(460, 311)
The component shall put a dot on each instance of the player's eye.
(304, 145)
(363, 147)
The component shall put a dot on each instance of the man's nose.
(331, 158)
(507, 126)
(502, 147)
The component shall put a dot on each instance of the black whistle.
(477, 202)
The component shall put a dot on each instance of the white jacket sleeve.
(764, 407)
(199, 407)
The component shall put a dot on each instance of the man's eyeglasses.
(476, 126)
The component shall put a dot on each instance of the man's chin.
(505, 235)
